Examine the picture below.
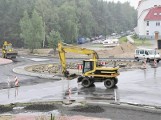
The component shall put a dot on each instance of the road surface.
(137, 87)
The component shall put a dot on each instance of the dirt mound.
(125, 47)
(123, 50)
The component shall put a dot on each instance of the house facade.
(149, 19)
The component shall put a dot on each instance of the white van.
(149, 54)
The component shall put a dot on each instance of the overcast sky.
(132, 2)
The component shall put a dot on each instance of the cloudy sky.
(132, 2)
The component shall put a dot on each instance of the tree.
(38, 29)
(45, 10)
(53, 39)
(71, 18)
(32, 30)
(26, 28)
(68, 22)
(85, 19)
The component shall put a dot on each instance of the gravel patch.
(4, 109)
(41, 107)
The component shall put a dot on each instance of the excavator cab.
(88, 65)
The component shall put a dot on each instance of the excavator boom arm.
(73, 49)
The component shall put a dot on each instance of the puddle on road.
(92, 93)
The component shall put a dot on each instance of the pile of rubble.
(49, 68)
(56, 68)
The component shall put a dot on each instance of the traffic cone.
(16, 82)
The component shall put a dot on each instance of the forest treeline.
(37, 22)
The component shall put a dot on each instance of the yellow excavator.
(92, 72)
(8, 51)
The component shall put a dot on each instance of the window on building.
(157, 23)
(147, 32)
(147, 23)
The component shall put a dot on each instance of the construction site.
(80, 60)
(54, 95)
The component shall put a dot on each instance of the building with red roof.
(154, 14)
(149, 19)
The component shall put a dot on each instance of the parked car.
(82, 40)
(111, 42)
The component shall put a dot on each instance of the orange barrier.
(70, 92)
(80, 67)
(155, 63)
(144, 64)
(16, 82)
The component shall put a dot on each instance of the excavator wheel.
(109, 83)
(86, 82)
(115, 80)
(92, 84)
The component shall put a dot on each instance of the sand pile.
(123, 50)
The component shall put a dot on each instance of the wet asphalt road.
(7, 74)
(137, 86)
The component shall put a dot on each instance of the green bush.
(123, 39)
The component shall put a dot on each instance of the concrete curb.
(21, 70)
(4, 61)
(128, 106)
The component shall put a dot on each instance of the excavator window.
(87, 66)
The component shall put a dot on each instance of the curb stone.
(22, 71)
(137, 107)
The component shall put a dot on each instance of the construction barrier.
(80, 67)
(70, 92)
(103, 63)
(155, 63)
(16, 82)
(144, 64)
(8, 82)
